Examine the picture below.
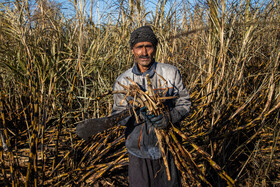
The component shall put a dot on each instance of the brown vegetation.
(53, 68)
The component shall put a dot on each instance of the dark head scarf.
(143, 34)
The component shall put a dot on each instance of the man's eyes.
(147, 47)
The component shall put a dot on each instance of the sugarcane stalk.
(220, 171)
(7, 145)
(161, 146)
(98, 175)
(152, 98)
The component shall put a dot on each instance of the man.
(146, 167)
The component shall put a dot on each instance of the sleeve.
(182, 104)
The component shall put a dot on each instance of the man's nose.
(144, 51)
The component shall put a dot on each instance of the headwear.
(143, 34)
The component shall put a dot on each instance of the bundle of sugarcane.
(191, 173)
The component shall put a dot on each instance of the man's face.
(143, 53)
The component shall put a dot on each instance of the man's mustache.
(144, 57)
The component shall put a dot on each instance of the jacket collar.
(150, 71)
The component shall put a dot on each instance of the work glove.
(161, 121)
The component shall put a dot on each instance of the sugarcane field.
(59, 61)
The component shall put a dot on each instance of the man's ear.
(132, 52)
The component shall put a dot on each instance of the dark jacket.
(141, 140)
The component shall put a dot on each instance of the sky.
(103, 7)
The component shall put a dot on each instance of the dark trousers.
(152, 173)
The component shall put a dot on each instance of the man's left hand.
(161, 121)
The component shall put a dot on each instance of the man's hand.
(161, 121)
